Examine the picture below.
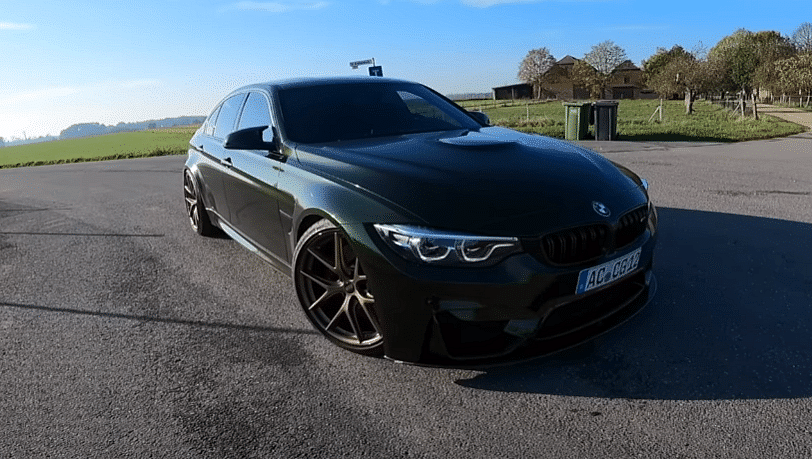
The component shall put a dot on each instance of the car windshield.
(349, 111)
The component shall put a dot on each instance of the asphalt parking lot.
(123, 334)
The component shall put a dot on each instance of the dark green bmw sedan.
(413, 229)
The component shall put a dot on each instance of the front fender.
(317, 195)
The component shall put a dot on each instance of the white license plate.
(598, 276)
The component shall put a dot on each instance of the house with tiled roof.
(626, 83)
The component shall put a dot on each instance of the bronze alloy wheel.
(198, 217)
(333, 291)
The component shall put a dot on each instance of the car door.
(252, 185)
(216, 167)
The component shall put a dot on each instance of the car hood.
(495, 181)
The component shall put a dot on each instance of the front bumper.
(518, 309)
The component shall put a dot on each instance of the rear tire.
(332, 289)
(195, 210)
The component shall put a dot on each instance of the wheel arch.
(307, 221)
(346, 206)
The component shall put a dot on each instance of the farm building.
(514, 91)
(627, 83)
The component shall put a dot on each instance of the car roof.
(319, 81)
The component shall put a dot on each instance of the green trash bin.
(576, 120)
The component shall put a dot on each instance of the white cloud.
(279, 7)
(15, 26)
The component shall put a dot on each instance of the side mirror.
(251, 139)
(481, 118)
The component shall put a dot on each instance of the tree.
(656, 63)
(677, 71)
(795, 74)
(683, 74)
(585, 75)
(535, 67)
(749, 61)
(605, 57)
(696, 77)
(802, 38)
(740, 57)
(770, 47)
(723, 56)
(664, 82)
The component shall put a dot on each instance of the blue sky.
(110, 61)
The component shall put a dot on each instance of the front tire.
(332, 289)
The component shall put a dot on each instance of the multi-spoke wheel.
(333, 291)
(198, 217)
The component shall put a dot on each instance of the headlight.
(652, 211)
(445, 248)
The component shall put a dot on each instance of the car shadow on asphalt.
(156, 319)
(732, 319)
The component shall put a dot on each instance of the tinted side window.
(209, 126)
(228, 116)
(255, 113)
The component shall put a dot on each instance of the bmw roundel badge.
(600, 209)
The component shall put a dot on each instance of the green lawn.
(709, 123)
(157, 142)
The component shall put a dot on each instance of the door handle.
(226, 162)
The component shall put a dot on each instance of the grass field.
(709, 123)
(157, 142)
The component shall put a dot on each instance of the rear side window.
(255, 113)
(209, 129)
(228, 116)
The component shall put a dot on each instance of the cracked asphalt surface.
(124, 334)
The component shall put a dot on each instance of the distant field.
(709, 123)
(157, 142)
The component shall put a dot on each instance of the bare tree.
(535, 67)
(802, 38)
(605, 57)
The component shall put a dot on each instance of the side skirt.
(272, 259)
